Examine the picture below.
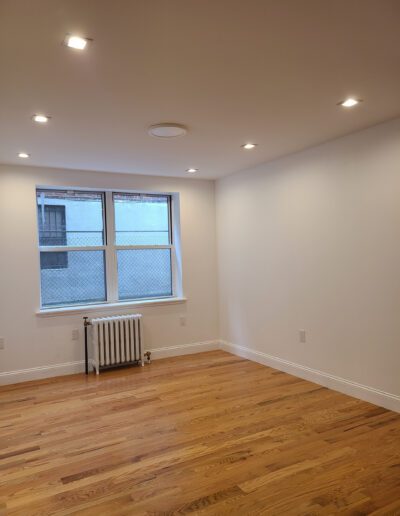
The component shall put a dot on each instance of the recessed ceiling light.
(40, 119)
(350, 102)
(249, 146)
(23, 155)
(167, 130)
(76, 42)
(192, 170)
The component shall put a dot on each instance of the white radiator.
(117, 341)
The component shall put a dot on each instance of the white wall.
(313, 241)
(309, 241)
(36, 342)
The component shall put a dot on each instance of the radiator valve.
(148, 356)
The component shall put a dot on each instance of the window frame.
(110, 249)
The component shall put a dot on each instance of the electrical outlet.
(2, 343)
(182, 320)
(302, 336)
(75, 334)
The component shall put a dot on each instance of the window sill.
(109, 307)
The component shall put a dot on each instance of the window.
(52, 231)
(143, 244)
(88, 257)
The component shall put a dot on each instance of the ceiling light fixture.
(76, 42)
(192, 170)
(167, 130)
(23, 155)
(249, 146)
(40, 119)
(350, 102)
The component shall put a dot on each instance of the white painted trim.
(111, 271)
(58, 249)
(357, 390)
(110, 307)
(37, 373)
(185, 349)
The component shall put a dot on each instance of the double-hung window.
(105, 247)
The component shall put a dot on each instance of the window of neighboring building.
(86, 257)
(52, 232)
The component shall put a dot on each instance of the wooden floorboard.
(206, 434)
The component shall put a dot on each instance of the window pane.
(58, 260)
(70, 218)
(52, 228)
(141, 219)
(80, 280)
(144, 273)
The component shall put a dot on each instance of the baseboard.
(38, 373)
(47, 371)
(363, 392)
(185, 349)
(357, 390)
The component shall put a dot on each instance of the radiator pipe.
(86, 323)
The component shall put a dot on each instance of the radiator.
(117, 341)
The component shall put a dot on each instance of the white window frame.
(110, 249)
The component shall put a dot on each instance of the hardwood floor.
(202, 434)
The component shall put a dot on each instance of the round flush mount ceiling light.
(167, 130)
(192, 170)
(23, 155)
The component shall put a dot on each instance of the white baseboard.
(363, 392)
(357, 390)
(185, 349)
(38, 373)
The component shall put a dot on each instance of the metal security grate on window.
(144, 273)
(82, 281)
(86, 257)
(143, 245)
(70, 218)
(72, 260)
(142, 219)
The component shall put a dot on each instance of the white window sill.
(109, 307)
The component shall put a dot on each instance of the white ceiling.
(267, 71)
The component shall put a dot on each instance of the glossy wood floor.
(202, 434)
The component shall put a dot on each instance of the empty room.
(199, 257)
